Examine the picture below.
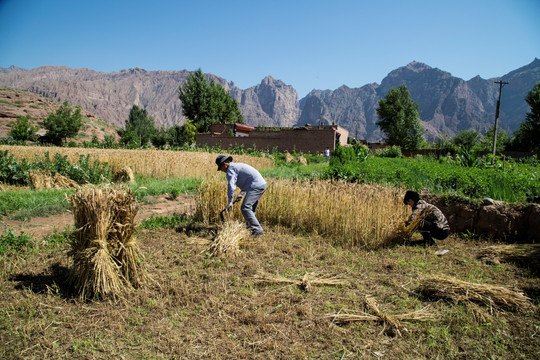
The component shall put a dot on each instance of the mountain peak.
(417, 66)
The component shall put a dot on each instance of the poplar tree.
(400, 119)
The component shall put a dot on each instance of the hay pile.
(125, 174)
(306, 283)
(523, 254)
(228, 239)
(44, 180)
(106, 258)
(459, 291)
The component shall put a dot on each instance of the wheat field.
(160, 164)
(363, 215)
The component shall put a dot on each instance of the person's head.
(222, 162)
(411, 196)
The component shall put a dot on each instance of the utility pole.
(501, 84)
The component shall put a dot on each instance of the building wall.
(302, 140)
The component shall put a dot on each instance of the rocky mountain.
(111, 95)
(14, 103)
(447, 104)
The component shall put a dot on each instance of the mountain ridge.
(447, 104)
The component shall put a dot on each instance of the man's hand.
(229, 207)
(238, 198)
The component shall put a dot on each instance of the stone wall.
(497, 220)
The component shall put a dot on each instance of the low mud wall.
(496, 220)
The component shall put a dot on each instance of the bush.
(14, 172)
(343, 155)
(389, 152)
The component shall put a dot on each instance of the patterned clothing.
(429, 213)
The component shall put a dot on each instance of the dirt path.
(40, 227)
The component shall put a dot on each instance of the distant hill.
(447, 104)
(15, 103)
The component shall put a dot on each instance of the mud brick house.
(308, 138)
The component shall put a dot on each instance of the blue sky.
(309, 44)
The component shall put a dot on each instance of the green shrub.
(12, 243)
(389, 152)
(348, 154)
(85, 170)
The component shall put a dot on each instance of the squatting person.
(252, 186)
(432, 222)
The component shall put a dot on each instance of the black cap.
(221, 159)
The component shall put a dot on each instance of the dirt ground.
(197, 306)
(40, 227)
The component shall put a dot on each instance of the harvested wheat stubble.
(228, 239)
(458, 290)
(106, 258)
(306, 283)
(393, 321)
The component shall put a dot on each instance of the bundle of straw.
(392, 320)
(125, 174)
(44, 180)
(106, 258)
(306, 283)
(526, 254)
(227, 241)
(123, 231)
(458, 290)
(404, 232)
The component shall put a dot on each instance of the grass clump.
(11, 243)
(166, 222)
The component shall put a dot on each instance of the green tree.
(62, 124)
(206, 103)
(527, 138)
(159, 139)
(22, 129)
(487, 141)
(179, 135)
(400, 119)
(140, 128)
(466, 139)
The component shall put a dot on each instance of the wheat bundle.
(526, 254)
(458, 290)
(123, 231)
(404, 232)
(229, 236)
(306, 283)
(392, 320)
(125, 174)
(106, 258)
(43, 180)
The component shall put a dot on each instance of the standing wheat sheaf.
(106, 258)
